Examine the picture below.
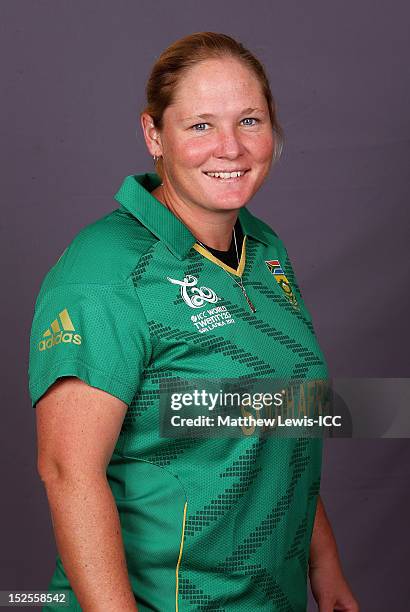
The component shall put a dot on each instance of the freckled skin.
(231, 139)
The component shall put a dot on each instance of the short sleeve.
(97, 333)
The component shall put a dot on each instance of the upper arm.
(77, 428)
(97, 333)
(89, 347)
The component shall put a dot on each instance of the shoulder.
(267, 229)
(104, 252)
(259, 228)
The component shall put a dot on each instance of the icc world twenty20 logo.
(192, 295)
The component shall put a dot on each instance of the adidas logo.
(55, 335)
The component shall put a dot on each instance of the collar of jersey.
(135, 195)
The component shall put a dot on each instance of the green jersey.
(221, 524)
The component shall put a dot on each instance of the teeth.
(225, 175)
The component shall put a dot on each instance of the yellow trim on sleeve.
(179, 557)
(220, 263)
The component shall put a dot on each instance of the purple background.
(73, 76)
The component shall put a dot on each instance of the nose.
(229, 144)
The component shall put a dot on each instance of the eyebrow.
(210, 115)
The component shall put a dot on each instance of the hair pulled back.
(186, 53)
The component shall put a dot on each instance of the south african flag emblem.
(276, 269)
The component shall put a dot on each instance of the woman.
(181, 281)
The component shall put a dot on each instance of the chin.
(227, 203)
(239, 196)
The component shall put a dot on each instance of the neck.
(213, 228)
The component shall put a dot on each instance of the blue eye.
(250, 119)
(198, 127)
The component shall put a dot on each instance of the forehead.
(217, 84)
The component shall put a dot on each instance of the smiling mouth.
(221, 175)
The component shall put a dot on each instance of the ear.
(151, 135)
